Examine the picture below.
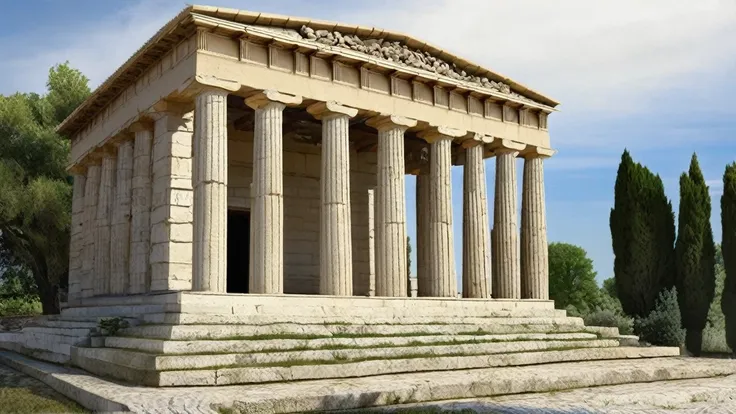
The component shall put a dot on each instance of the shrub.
(610, 319)
(663, 325)
(111, 326)
(20, 306)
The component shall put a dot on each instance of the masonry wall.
(302, 207)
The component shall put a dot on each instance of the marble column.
(534, 254)
(76, 240)
(422, 216)
(120, 220)
(105, 202)
(89, 228)
(209, 259)
(507, 280)
(476, 249)
(391, 277)
(336, 247)
(267, 213)
(140, 210)
(443, 282)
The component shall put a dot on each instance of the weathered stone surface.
(140, 211)
(89, 229)
(391, 278)
(120, 221)
(105, 203)
(371, 243)
(209, 262)
(506, 275)
(76, 242)
(476, 238)
(534, 262)
(441, 249)
(336, 249)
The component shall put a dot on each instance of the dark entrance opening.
(238, 250)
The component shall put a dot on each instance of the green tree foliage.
(572, 278)
(35, 191)
(728, 246)
(643, 233)
(662, 326)
(695, 256)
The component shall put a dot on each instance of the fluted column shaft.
(89, 229)
(476, 251)
(391, 275)
(120, 220)
(105, 201)
(424, 279)
(336, 251)
(441, 256)
(76, 240)
(371, 242)
(209, 260)
(140, 210)
(267, 215)
(534, 254)
(506, 281)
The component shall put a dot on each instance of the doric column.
(120, 220)
(140, 210)
(209, 261)
(476, 249)
(391, 277)
(506, 281)
(422, 215)
(104, 211)
(534, 254)
(443, 282)
(76, 241)
(267, 213)
(336, 246)
(89, 228)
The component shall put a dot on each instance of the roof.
(180, 26)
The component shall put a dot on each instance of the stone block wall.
(302, 207)
(172, 201)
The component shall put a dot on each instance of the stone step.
(230, 319)
(502, 326)
(85, 358)
(131, 311)
(59, 331)
(66, 324)
(145, 361)
(159, 346)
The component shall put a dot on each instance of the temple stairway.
(207, 339)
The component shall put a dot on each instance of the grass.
(22, 394)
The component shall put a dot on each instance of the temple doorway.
(238, 250)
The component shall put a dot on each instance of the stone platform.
(188, 339)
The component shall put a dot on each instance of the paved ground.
(709, 394)
(20, 393)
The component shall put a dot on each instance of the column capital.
(438, 132)
(321, 110)
(78, 169)
(532, 151)
(121, 138)
(263, 98)
(505, 146)
(473, 138)
(143, 124)
(383, 122)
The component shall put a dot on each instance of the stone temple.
(239, 199)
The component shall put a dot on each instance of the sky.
(656, 77)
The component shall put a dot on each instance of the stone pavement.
(715, 391)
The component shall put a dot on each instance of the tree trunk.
(694, 341)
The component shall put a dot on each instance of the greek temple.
(239, 217)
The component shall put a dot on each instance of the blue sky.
(656, 77)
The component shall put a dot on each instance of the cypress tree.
(728, 247)
(643, 235)
(695, 256)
